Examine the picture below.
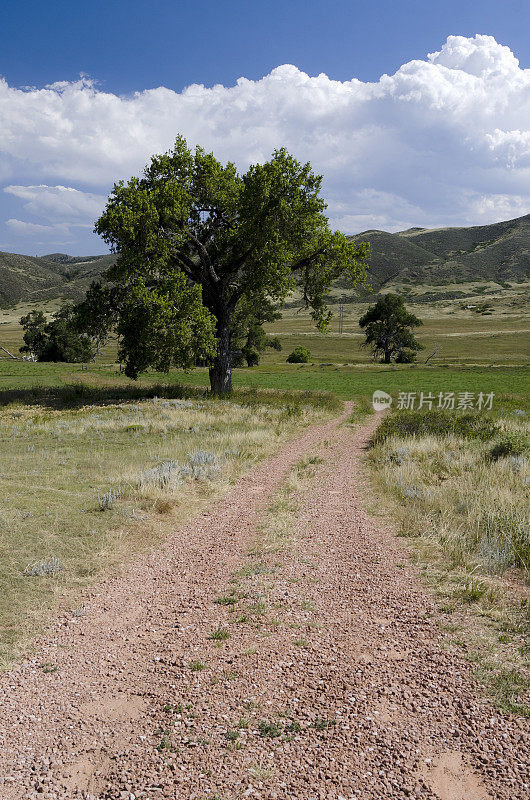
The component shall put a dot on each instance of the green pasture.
(467, 352)
(450, 335)
(19, 381)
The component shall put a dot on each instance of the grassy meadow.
(467, 351)
(459, 329)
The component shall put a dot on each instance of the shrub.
(252, 357)
(517, 463)
(505, 538)
(107, 500)
(58, 340)
(495, 553)
(406, 357)
(400, 455)
(44, 568)
(300, 355)
(512, 443)
(203, 465)
(412, 492)
(164, 475)
(436, 423)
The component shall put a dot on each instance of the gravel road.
(334, 681)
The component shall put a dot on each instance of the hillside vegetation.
(44, 278)
(440, 256)
(497, 252)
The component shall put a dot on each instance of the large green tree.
(389, 330)
(195, 239)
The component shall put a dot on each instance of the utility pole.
(341, 318)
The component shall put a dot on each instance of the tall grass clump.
(461, 482)
(435, 422)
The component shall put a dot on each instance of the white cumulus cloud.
(444, 140)
(58, 201)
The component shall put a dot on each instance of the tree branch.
(307, 260)
(235, 298)
(187, 265)
(204, 257)
(239, 262)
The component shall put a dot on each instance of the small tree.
(195, 240)
(388, 327)
(34, 337)
(57, 340)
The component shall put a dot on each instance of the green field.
(472, 353)
(18, 381)
(451, 327)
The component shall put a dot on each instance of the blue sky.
(444, 140)
(132, 45)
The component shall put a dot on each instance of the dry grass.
(278, 529)
(475, 509)
(467, 518)
(88, 487)
(254, 585)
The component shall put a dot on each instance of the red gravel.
(339, 658)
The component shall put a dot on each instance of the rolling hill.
(497, 252)
(28, 278)
(500, 251)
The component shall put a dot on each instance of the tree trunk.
(221, 371)
(387, 356)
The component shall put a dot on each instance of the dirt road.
(332, 683)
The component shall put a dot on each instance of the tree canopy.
(389, 326)
(196, 242)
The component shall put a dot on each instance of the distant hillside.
(26, 278)
(496, 252)
(441, 255)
